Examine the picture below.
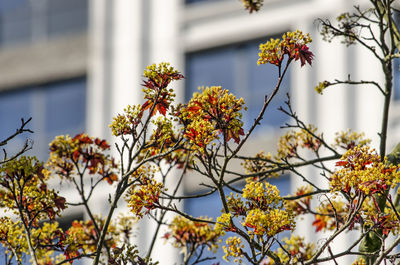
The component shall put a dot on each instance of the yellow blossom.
(359, 261)
(299, 250)
(210, 113)
(144, 195)
(362, 170)
(321, 87)
(187, 233)
(293, 44)
(349, 139)
(233, 248)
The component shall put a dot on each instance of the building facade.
(74, 64)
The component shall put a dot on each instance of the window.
(234, 67)
(22, 21)
(55, 108)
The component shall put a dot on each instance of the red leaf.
(60, 202)
(111, 178)
(342, 163)
(101, 143)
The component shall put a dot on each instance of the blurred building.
(73, 64)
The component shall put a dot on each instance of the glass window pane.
(65, 107)
(67, 16)
(210, 68)
(13, 107)
(15, 23)
(57, 108)
(6, 5)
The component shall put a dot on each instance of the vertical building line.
(107, 54)
(146, 20)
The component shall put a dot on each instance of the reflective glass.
(210, 68)
(15, 23)
(67, 16)
(20, 18)
(56, 108)
(65, 107)
(13, 107)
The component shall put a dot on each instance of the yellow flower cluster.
(297, 36)
(273, 51)
(290, 142)
(261, 163)
(362, 170)
(295, 251)
(162, 139)
(82, 234)
(265, 195)
(224, 223)
(233, 249)
(211, 112)
(142, 173)
(359, 261)
(236, 205)
(47, 234)
(194, 234)
(349, 139)
(23, 190)
(12, 236)
(373, 216)
(156, 92)
(127, 122)
(268, 223)
(260, 210)
(156, 72)
(144, 195)
(62, 147)
(13, 240)
(201, 133)
(82, 153)
(82, 237)
(321, 87)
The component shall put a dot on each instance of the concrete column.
(368, 99)
(303, 99)
(163, 45)
(99, 65)
(127, 39)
